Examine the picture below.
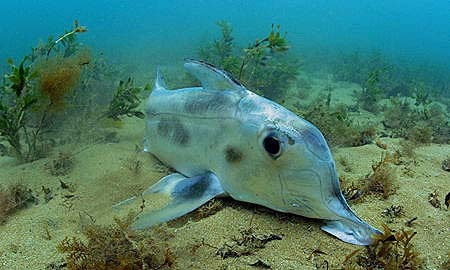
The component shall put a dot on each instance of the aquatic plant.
(357, 67)
(118, 247)
(62, 165)
(382, 178)
(30, 91)
(336, 123)
(67, 40)
(125, 101)
(58, 76)
(433, 199)
(390, 250)
(14, 198)
(246, 244)
(393, 212)
(16, 99)
(371, 92)
(419, 123)
(421, 133)
(407, 149)
(445, 165)
(421, 96)
(220, 51)
(19, 77)
(438, 120)
(262, 66)
(348, 68)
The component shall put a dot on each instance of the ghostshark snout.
(355, 232)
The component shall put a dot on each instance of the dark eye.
(272, 145)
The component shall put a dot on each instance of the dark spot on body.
(233, 155)
(291, 140)
(172, 129)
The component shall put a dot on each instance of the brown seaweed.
(14, 198)
(118, 247)
(390, 250)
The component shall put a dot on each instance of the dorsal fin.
(159, 81)
(212, 77)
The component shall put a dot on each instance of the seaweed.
(422, 123)
(58, 76)
(263, 66)
(390, 250)
(371, 92)
(134, 165)
(67, 40)
(433, 199)
(421, 97)
(220, 51)
(125, 101)
(446, 164)
(20, 77)
(357, 67)
(116, 246)
(446, 264)
(438, 121)
(48, 193)
(348, 68)
(62, 165)
(30, 92)
(393, 212)
(381, 180)
(208, 209)
(12, 125)
(420, 134)
(246, 244)
(407, 149)
(336, 124)
(14, 198)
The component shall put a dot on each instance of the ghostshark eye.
(272, 145)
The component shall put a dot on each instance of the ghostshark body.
(223, 139)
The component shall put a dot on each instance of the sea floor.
(106, 173)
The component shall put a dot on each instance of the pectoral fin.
(171, 197)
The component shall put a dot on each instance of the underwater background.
(373, 76)
(162, 31)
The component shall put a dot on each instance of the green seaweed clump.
(388, 251)
(16, 98)
(117, 247)
(14, 198)
(371, 93)
(263, 66)
(31, 90)
(422, 122)
(336, 124)
(220, 51)
(125, 101)
(67, 40)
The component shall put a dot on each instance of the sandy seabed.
(103, 175)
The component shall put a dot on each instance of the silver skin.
(220, 129)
